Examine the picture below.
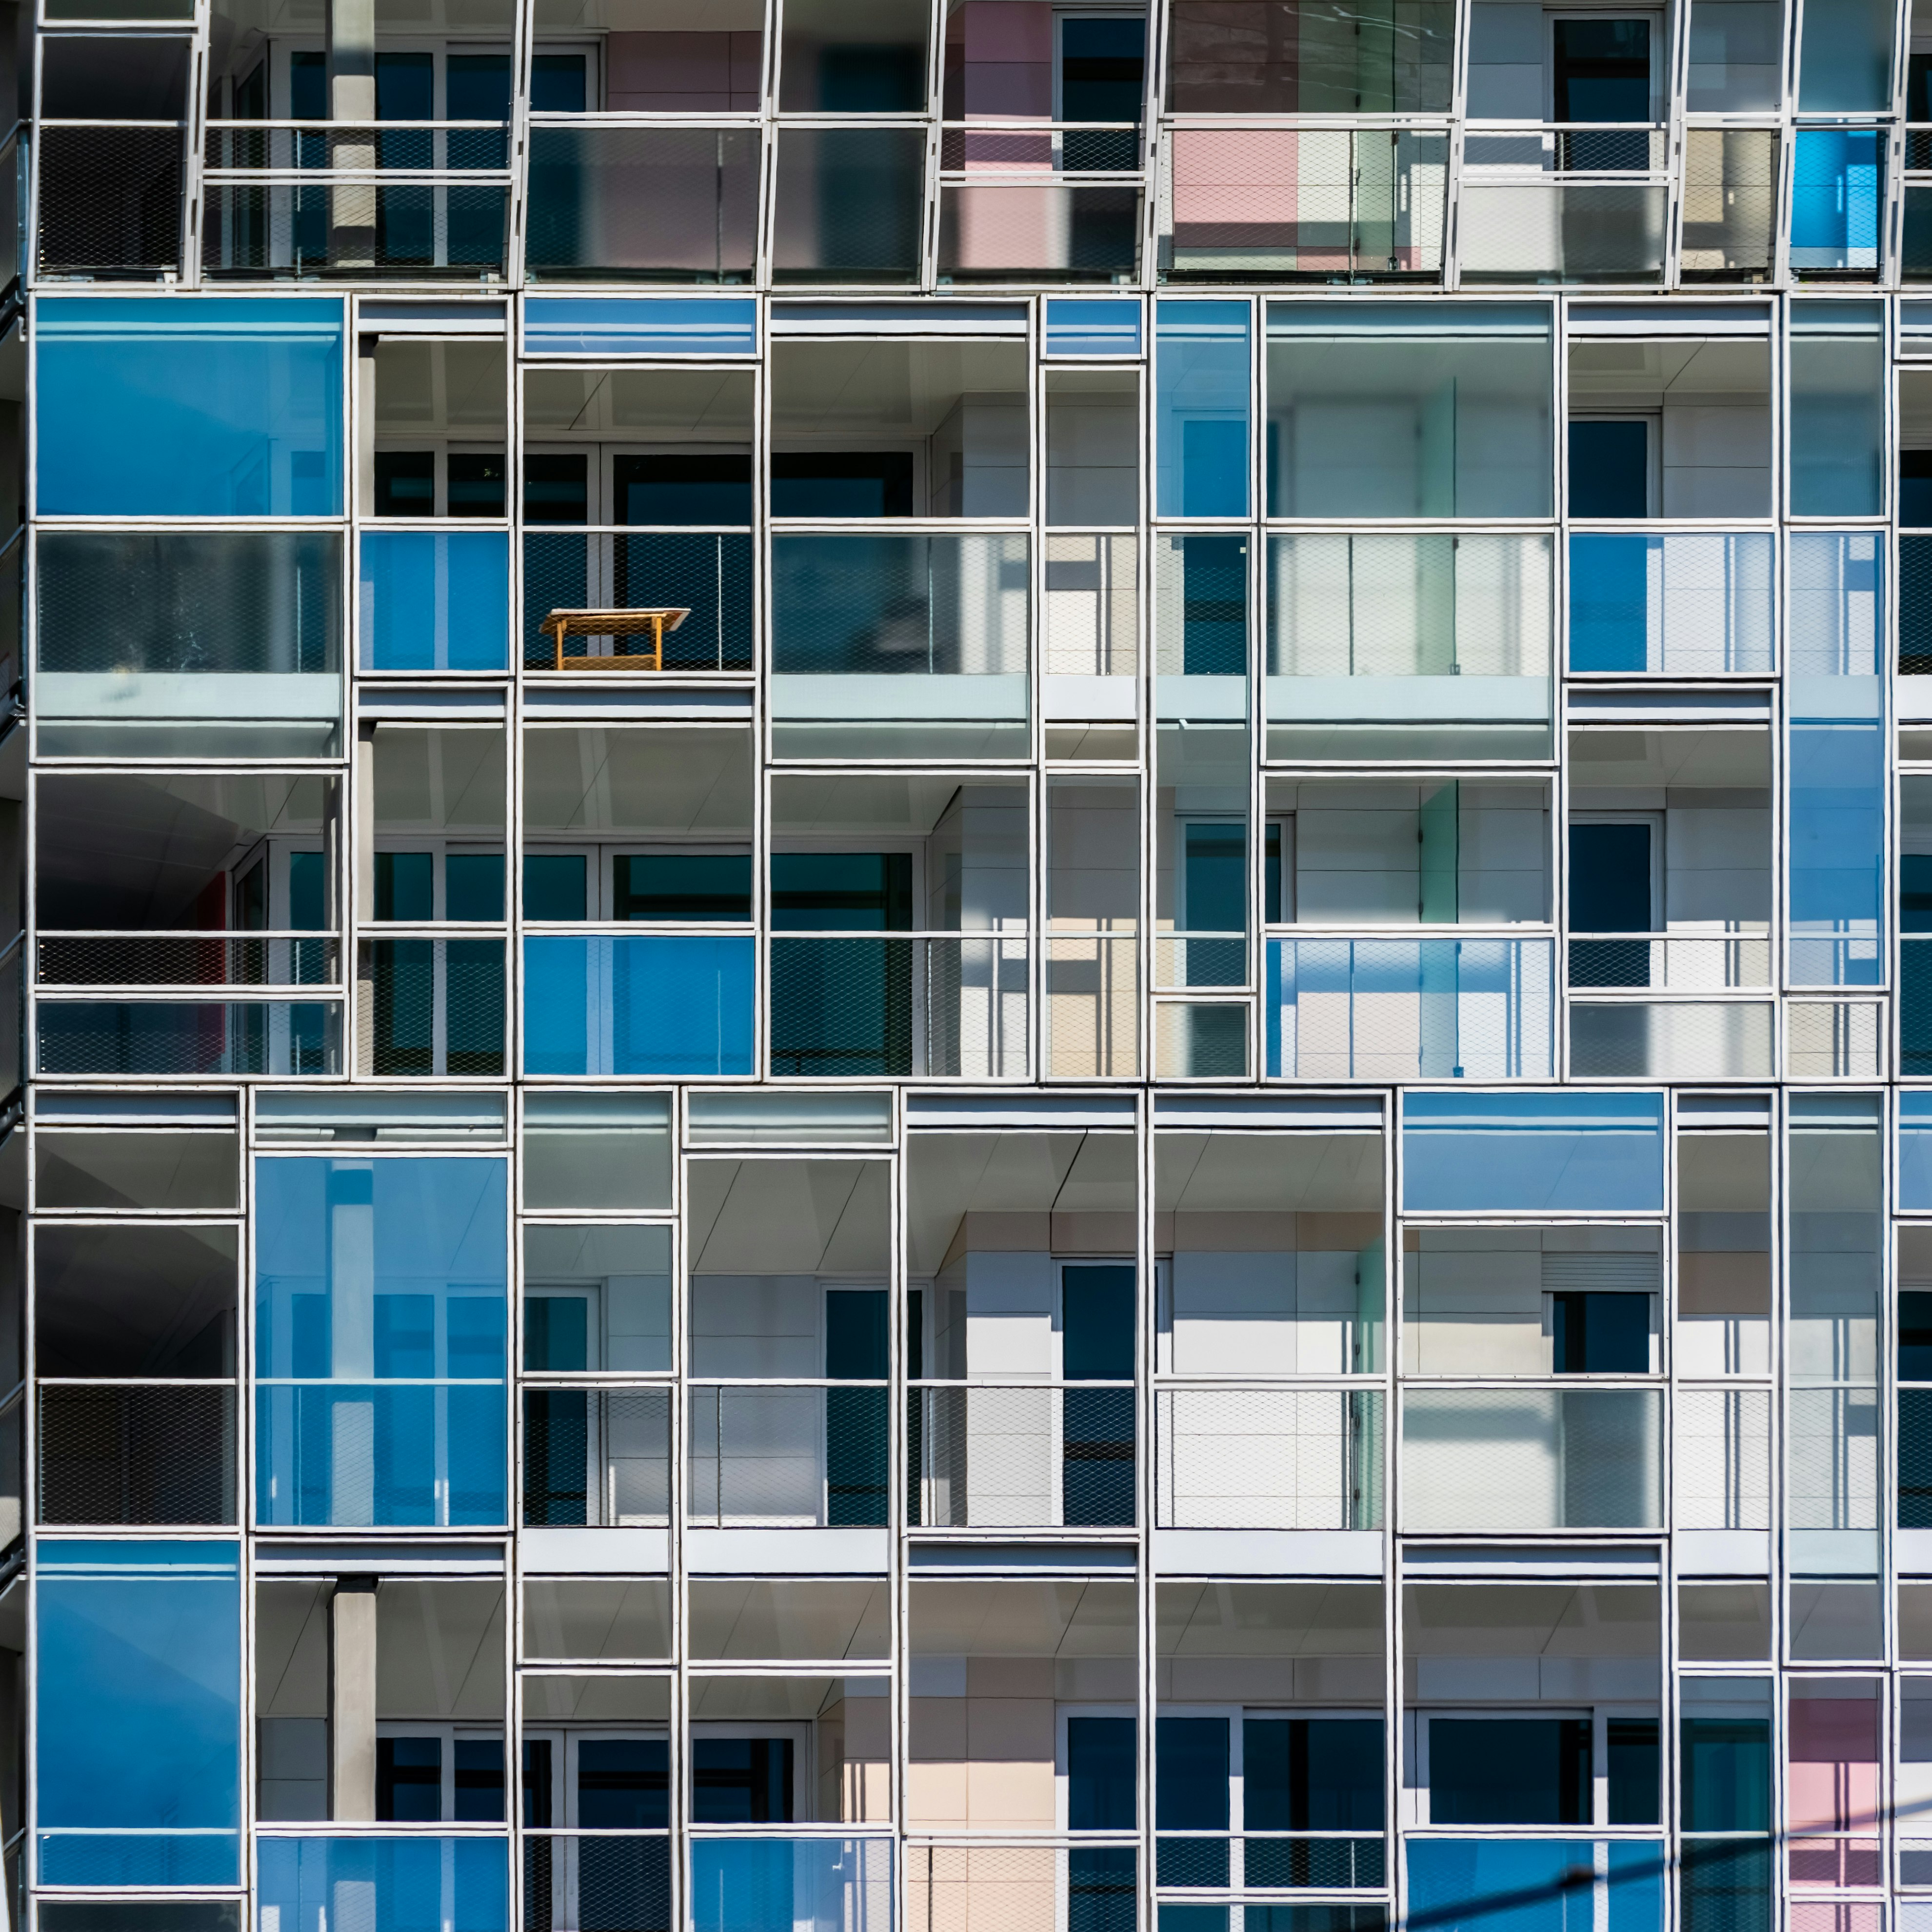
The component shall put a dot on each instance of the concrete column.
(351, 1700)
(352, 96)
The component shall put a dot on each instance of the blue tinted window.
(381, 1341)
(1837, 197)
(1077, 327)
(435, 600)
(1533, 1152)
(610, 327)
(138, 1671)
(1458, 1882)
(400, 1885)
(668, 1003)
(1202, 409)
(1915, 1151)
(190, 409)
(1100, 1774)
(805, 1885)
(1191, 1762)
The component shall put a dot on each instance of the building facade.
(974, 967)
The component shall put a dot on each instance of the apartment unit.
(967, 967)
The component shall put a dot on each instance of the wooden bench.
(620, 626)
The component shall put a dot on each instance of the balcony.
(1030, 1456)
(801, 1455)
(1303, 204)
(1233, 1458)
(407, 199)
(1565, 203)
(1405, 1009)
(1681, 604)
(596, 1457)
(900, 646)
(1010, 212)
(948, 1004)
(1410, 647)
(645, 204)
(709, 574)
(1525, 1458)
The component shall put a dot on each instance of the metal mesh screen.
(110, 198)
(708, 573)
(1299, 1863)
(1845, 1038)
(214, 601)
(121, 1452)
(1559, 230)
(800, 1456)
(431, 1005)
(129, 959)
(848, 204)
(1090, 625)
(974, 991)
(608, 1883)
(1044, 229)
(1682, 1040)
(1724, 1885)
(1031, 1457)
(596, 1457)
(179, 1036)
(1531, 1459)
(1093, 1005)
(459, 229)
(674, 204)
(1723, 1461)
(841, 1007)
(962, 1887)
(1202, 1042)
(1915, 604)
(1269, 1459)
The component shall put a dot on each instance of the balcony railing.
(410, 198)
(1410, 1009)
(1255, 1862)
(586, 1881)
(1730, 204)
(1567, 202)
(1681, 604)
(1093, 997)
(1035, 1885)
(144, 1453)
(202, 1038)
(798, 1454)
(109, 197)
(194, 961)
(710, 573)
(1040, 147)
(1697, 963)
(431, 1005)
(846, 1005)
(1269, 1458)
(1192, 959)
(433, 598)
(1692, 1039)
(1304, 204)
(1722, 1466)
(1531, 1458)
(598, 1457)
(1022, 1456)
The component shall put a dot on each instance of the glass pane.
(1202, 409)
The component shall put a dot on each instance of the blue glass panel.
(226, 408)
(1202, 409)
(138, 1674)
(1837, 198)
(1077, 327)
(1529, 1153)
(435, 600)
(791, 1885)
(1541, 1884)
(381, 1341)
(658, 1003)
(612, 327)
(1915, 1151)
(207, 1039)
(1688, 603)
(398, 1885)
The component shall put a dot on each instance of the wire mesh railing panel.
(353, 147)
(709, 574)
(187, 959)
(597, 1456)
(1041, 147)
(1724, 1885)
(973, 992)
(1694, 964)
(431, 1006)
(597, 1881)
(842, 1007)
(1561, 228)
(1269, 1459)
(204, 1039)
(1306, 1862)
(1915, 604)
(1405, 1009)
(1692, 1039)
(902, 606)
(665, 204)
(1024, 1457)
(776, 1455)
(456, 228)
(1531, 1459)
(1472, 607)
(1833, 1478)
(135, 1453)
(1055, 229)
(208, 601)
(1723, 1460)
(1093, 1005)
(1090, 627)
(110, 199)
(1730, 203)
(1020, 1888)
(1845, 1038)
